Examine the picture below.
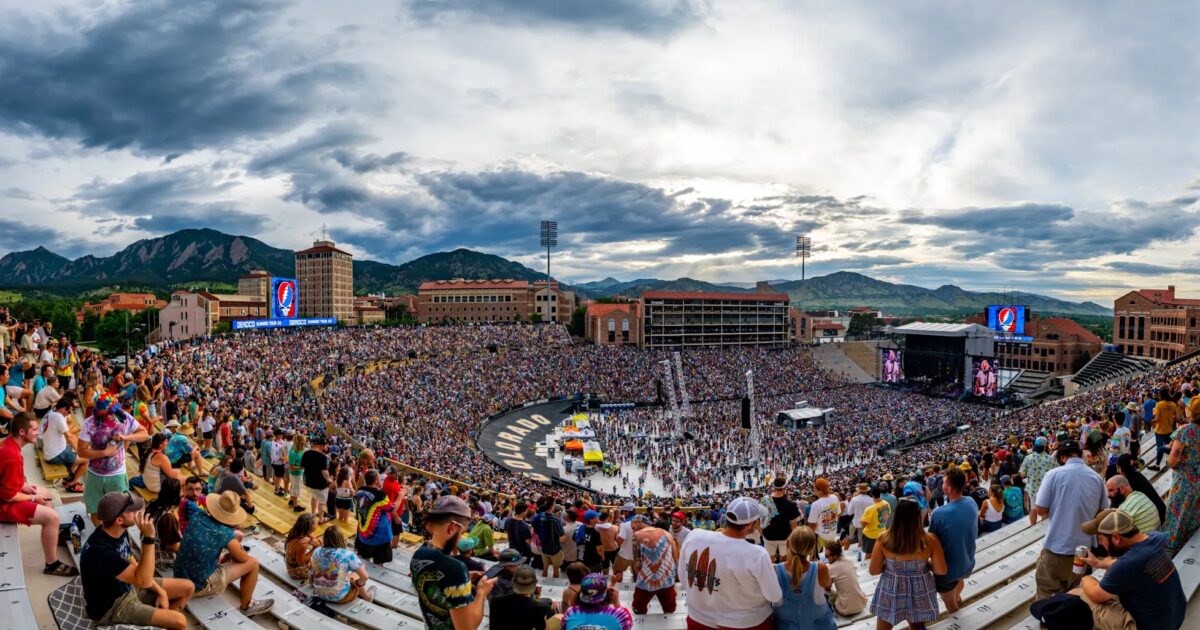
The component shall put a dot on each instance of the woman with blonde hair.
(902, 558)
(804, 584)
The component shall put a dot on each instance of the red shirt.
(12, 468)
(226, 435)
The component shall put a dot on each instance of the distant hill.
(204, 255)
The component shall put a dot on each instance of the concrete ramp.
(853, 360)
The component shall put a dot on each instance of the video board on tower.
(891, 371)
(1008, 319)
(284, 298)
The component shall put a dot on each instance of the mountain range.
(199, 255)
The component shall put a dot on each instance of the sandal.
(73, 487)
(60, 569)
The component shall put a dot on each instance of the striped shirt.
(1145, 515)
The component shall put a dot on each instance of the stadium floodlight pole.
(549, 240)
(685, 404)
(672, 404)
(803, 251)
(755, 438)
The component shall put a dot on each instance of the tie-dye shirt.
(658, 559)
(99, 433)
(374, 512)
(442, 584)
(331, 569)
(606, 617)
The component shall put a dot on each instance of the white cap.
(744, 510)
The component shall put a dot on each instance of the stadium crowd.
(250, 399)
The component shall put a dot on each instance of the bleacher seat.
(67, 606)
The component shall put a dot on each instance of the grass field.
(9, 297)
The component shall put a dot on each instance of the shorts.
(943, 585)
(296, 483)
(666, 597)
(135, 608)
(208, 435)
(379, 554)
(95, 487)
(321, 495)
(868, 546)
(343, 503)
(19, 512)
(66, 458)
(40, 413)
(609, 558)
(766, 624)
(217, 582)
(278, 470)
(555, 560)
(777, 547)
(14, 391)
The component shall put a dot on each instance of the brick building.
(1060, 346)
(613, 324)
(132, 302)
(1154, 324)
(505, 300)
(255, 284)
(190, 314)
(326, 277)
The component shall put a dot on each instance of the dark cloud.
(1147, 269)
(167, 200)
(634, 16)
(165, 77)
(16, 193)
(18, 235)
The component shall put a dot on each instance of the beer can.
(1079, 565)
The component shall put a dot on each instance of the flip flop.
(61, 570)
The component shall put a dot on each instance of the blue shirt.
(178, 447)
(956, 526)
(1146, 582)
(201, 546)
(1148, 410)
(16, 375)
(891, 501)
(1074, 494)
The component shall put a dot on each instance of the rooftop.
(459, 283)
(702, 295)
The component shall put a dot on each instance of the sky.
(1049, 147)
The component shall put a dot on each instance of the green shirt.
(1145, 515)
(294, 468)
(482, 533)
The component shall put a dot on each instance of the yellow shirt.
(874, 518)
(1164, 417)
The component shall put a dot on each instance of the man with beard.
(1137, 505)
(451, 598)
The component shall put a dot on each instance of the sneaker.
(370, 593)
(1152, 467)
(257, 607)
(297, 508)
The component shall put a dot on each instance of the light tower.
(803, 251)
(549, 240)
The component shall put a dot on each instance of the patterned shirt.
(442, 584)
(1034, 469)
(606, 617)
(658, 558)
(331, 569)
(201, 546)
(99, 433)
(374, 511)
(1143, 511)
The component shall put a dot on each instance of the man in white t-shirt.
(730, 583)
(1124, 436)
(56, 445)
(625, 538)
(858, 507)
(823, 514)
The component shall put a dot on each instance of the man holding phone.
(451, 598)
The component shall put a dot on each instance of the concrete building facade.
(686, 319)
(1154, 324)
(255, 284)
(326, 277)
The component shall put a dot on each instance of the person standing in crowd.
(597, 607)
(1166, 413)
(1140, 587)
(448, 597)
(1183, 512)
(858, 505)
(522, 609)
(804, 585)
(655, 561)
(1138, 506)
(209, 534)
(315, 464)
(593, 545)
(295, 459)
(784, 518)
(874, 521)
(678, 528)
(23, 503)
(823, 513)
(551, 535)
(1071, 495)
(278, 463)
(520, 536)
(570, 547)
(119, 588)
(847, 596)
(956, 526)
(748, 584)
(102, 442)
(374, 511)
(624, 557)
(338, 574)
(906, 559)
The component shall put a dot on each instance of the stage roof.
(942, 330)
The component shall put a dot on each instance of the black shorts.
(343, 503)
(379, 554)
(609, 557)
(208, 435)
(943, 585)
(278, 468)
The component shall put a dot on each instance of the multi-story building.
(678, 319)
(132, 302)
(255, 284)
(613, 324)
(1154, 324)
(1058, 345)
(505, 300)
(190, 314)
(326, 277)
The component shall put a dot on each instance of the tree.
(861, 324)
(118, 330)
(535, 318)
(88, 329)
(578, 321)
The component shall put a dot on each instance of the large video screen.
(984, 377)
(1007, 319)
(892, 370)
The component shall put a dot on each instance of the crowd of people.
(261, 402)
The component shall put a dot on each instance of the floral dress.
(1183, 508)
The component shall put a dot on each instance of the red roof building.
(1155, 324)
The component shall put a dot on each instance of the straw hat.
(225, 508)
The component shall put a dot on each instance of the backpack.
(580, 534)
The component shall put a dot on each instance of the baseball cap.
(744, 510)
(629, 507)
(1110, 521)
(644, 519)
(590, 514)
(466, 543)
(525, 581)
(511, 558)
(115, 504)
(593, 589)
(452, 505)
(1068, 446)
(679, 515)
(821, 484)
